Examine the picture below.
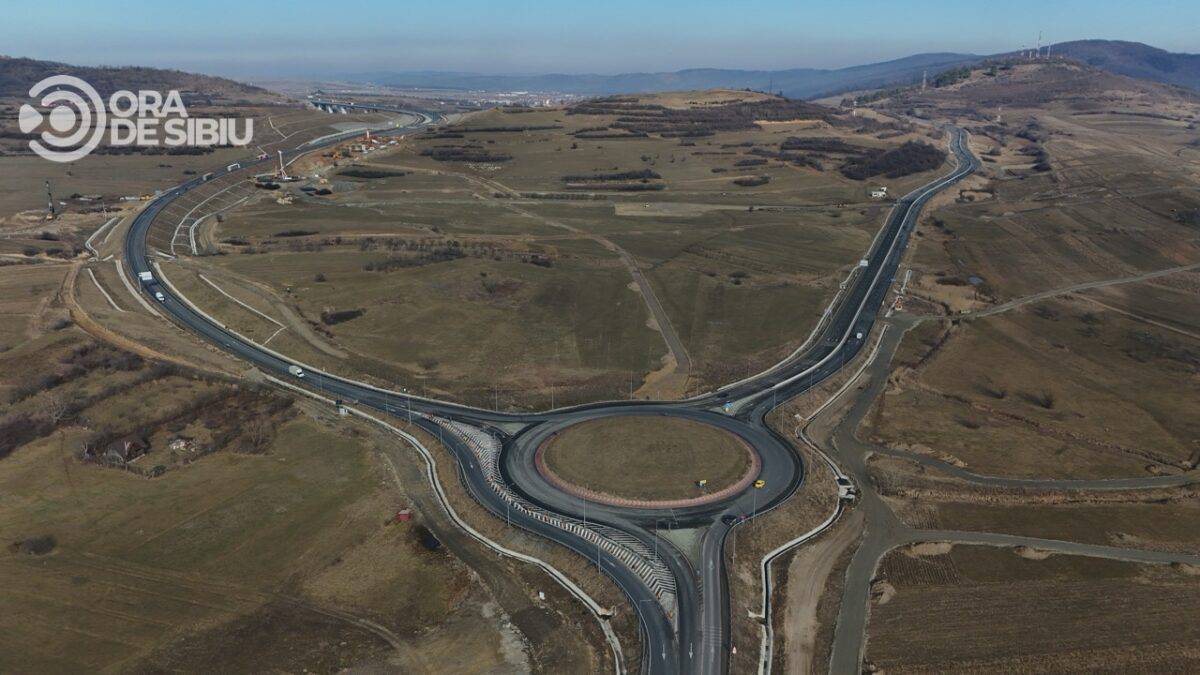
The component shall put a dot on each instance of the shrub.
(462, 153)
(643, 174)
(363, 172)
(330, 318)
(35, 545)
(912, 157)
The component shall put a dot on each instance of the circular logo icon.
(76, 121)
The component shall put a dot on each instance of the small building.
(879, 192)
(403, 515)
(124, 450)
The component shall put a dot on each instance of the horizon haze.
(250, 41)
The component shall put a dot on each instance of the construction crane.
(51, 213)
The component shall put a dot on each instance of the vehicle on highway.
(158, 295)
(846, 489)
(145, 276)
(296, 371)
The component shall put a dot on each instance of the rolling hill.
(793, 83)
(1132, 59)
(18, 74)
(1135, 59)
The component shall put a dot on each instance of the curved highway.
(694, 637)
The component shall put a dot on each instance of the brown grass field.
(1113, 202)
(267, 546)
(1082, 385)
(518, 266)
(1060, 388)
(639, 457)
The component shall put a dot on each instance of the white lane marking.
(222, 292)
(950, 178)
(268, 340)
(102, 291)
(867, 296)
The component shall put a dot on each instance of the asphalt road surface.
(696, 638)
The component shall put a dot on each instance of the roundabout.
(508, 463)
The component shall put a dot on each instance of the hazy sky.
(260, 38)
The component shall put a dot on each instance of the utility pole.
(1039, 45)
(50, 214)
(924, 79)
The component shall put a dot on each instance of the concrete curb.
(767, 642)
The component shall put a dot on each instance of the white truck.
(145, 276)
(846, 489)
(296, 371)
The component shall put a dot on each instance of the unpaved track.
(682, 361)
(1055, 292)
(90, 326)
(807, 575)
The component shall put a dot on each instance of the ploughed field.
(983, 609)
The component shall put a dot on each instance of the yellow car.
(760, 484)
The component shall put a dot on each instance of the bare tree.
(55, 407)
(258, 433)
